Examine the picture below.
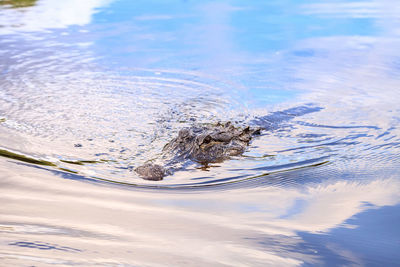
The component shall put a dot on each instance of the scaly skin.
(202, 144)
(215, 143)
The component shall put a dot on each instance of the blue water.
(90, 90)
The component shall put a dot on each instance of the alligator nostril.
(183, 133)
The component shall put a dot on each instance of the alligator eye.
(207, 139)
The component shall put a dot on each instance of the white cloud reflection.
(49, 14)
(329, 206)
(221, 228)
(359, 9)
(216, 227)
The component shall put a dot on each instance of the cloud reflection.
(254, 226)
(352, 9)
(49, 14)
(346, 75)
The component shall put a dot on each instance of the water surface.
(89, 91)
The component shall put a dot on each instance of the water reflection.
(18, 3)
(360, 9)
(43, 246)
(121, 78)
(33, 16)
(257, 226)
(353, 250)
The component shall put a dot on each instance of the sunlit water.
(89, 90)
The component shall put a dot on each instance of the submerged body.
(215, 143)
(202, 144)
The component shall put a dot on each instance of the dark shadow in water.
(337, 127)
(274, 120)
(16, 156)
(43, 246)
(375, 241)
(18, 3)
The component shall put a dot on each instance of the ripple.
(281, 149)
(43, 246)
(242, 179)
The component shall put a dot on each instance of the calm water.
(89, 90)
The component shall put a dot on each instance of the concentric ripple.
(290, 142)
